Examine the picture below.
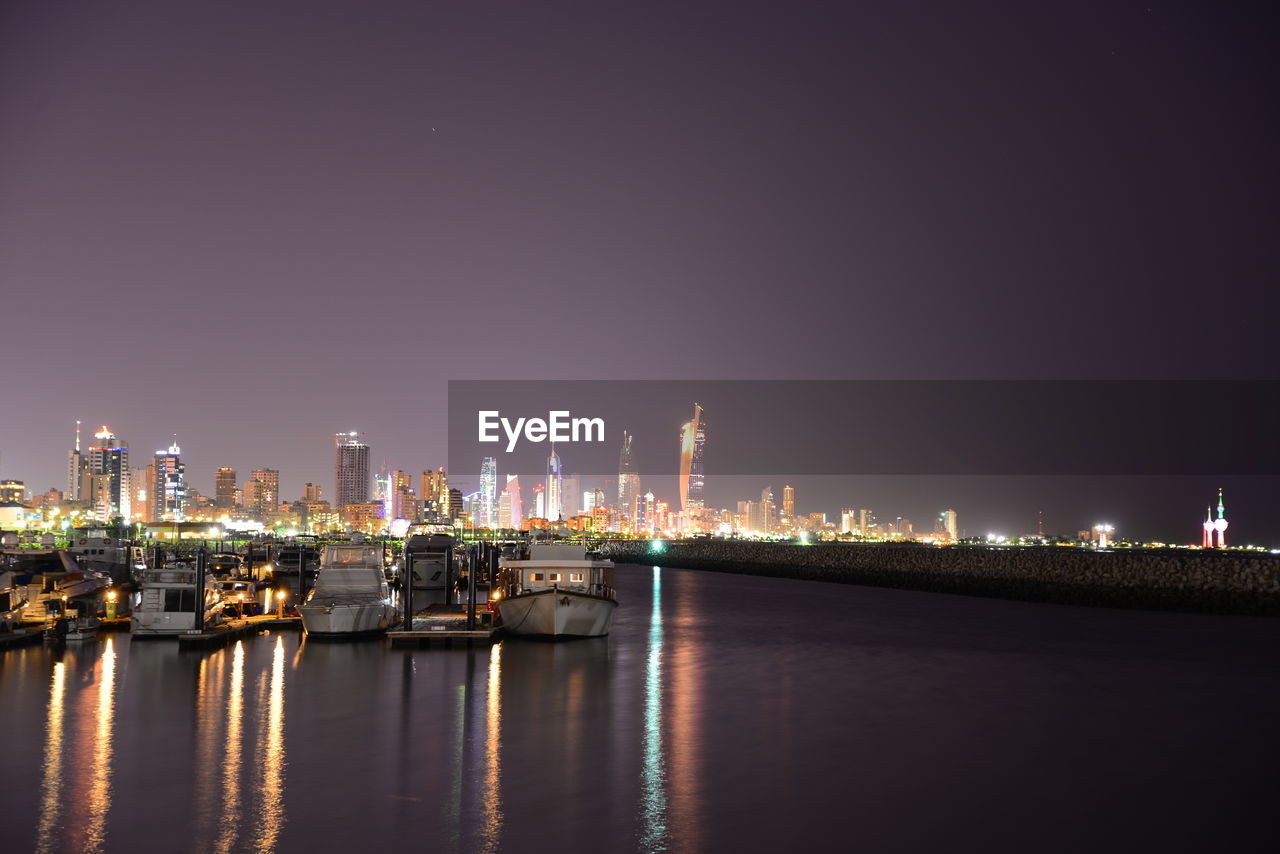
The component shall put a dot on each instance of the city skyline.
(827, 502)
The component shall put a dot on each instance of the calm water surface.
(725, 713)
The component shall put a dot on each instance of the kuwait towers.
(1216, 527)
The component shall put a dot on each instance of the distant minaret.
(1208, 528)
(1220, 524)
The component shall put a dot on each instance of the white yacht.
(351, 596)
(555, 590)
(167, 600)
(50, 578)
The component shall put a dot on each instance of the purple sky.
(254, 224)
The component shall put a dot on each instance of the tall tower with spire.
(1220, 524)
(555, 487)
(1208, 528)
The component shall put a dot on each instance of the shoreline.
(1195, 582)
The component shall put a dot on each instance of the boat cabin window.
(537, 576)
(575, 576)
(179, 600)
(555, 576)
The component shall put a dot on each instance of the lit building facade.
(486, 515)
(224, 488)
(555, 488)
(693, 440)
(628, 486)
(108, 477)
(350, 470)
(168, 486)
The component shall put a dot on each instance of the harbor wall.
(1209, 582)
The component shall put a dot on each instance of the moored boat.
(167, 602)
(351, 596)
(555, 590)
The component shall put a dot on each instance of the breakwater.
(1178, 580)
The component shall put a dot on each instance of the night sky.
(254, 224)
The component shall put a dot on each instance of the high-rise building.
(950, 524)
(768, 511)
(77, 471)
(488, 509)
(434, 488)
(570, 493)
(848, 520)
(267, 497)
(403, 501)
(788, 502)
(455, 503)
(540, 501)
(646, 518)
(866, 522)
(628, 486)
(693, 440)
(108, 477)
(555, 488)
(312, 492)
(504, 510)
(351, 470)
(13, 490)
(224, 488)
(168, 479)
(591, 499)
(514, 500)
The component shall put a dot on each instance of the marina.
(670, 734)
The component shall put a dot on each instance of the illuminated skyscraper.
(168, 486)
(693, 440)
(768, 510)
(267, 493)
(788, 502)
(950, 524)
(224, 488)
(350, 469)
(434, 492)
(77, 470)
(628, 485)
(555, 487)
(488, 510)
(516, 501)
(848, 520)
(108, 476)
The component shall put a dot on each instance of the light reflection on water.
(271, 816)
(492, 795)
(653, 774)
(99, 794)
(693, 727)
(231, 767)
(51, 773)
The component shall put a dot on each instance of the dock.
(444, 625)
(235, 629)
(21, 637)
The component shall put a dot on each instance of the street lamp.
(280, 601)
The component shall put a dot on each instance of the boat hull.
(557, 614)
(345, 620)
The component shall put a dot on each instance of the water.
(725, 713)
